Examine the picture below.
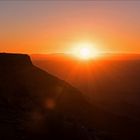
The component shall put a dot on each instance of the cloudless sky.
(53, 26)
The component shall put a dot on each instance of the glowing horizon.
(50, 27)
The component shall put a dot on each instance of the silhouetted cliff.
(14, 60)
(37, 105)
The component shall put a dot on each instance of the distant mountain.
(111, 84)
(102, 56)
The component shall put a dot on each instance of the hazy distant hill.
(102, 56)
(111, 83)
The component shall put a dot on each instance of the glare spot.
(50, 104)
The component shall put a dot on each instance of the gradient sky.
(52, 26)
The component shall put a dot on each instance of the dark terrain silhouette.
(37, 105)
(110, 84)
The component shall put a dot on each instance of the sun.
(85, 50)
(84, 53)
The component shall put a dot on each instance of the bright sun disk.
(85, 51)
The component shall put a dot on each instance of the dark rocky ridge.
(14, 59)
(37, 105)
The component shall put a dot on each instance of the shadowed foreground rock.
(37, 105)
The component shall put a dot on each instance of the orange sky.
(48, 27)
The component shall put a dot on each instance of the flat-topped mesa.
(11, 59)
